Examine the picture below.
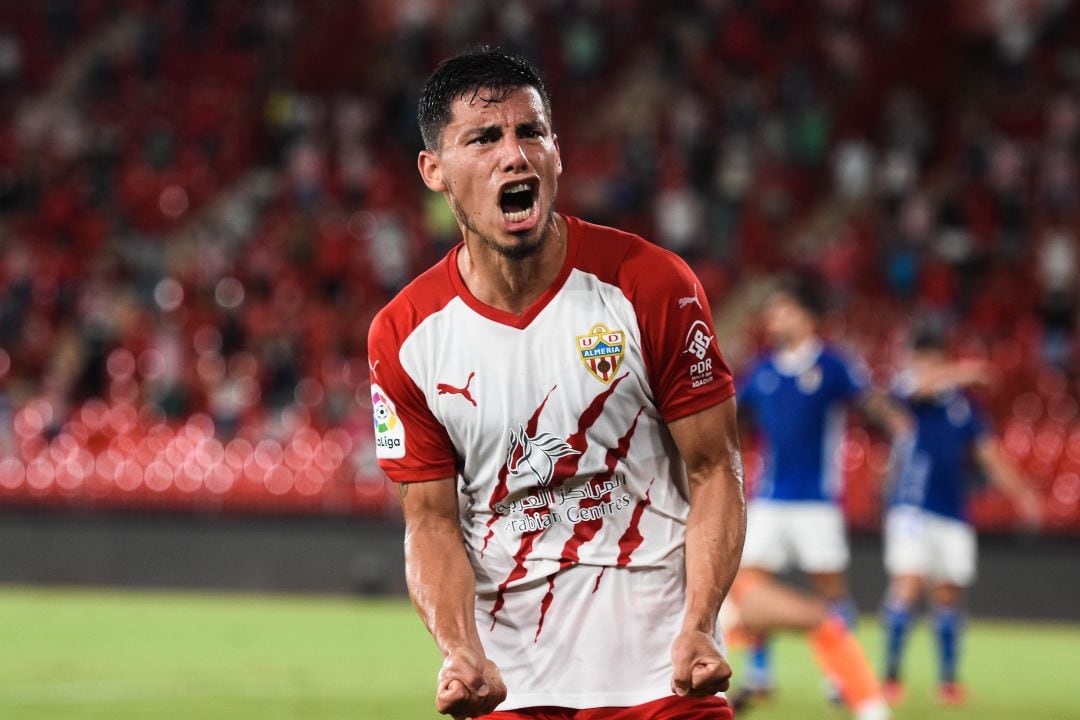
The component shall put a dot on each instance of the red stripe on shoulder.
(686, 369)
(601, 249)
(426, 295)
(424, 450)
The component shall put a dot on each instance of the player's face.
(785, 320)
(926, 361)
(499, 166)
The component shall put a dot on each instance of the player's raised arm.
(1003, 474)
(709, 444)
(888, 414)
(443, 589)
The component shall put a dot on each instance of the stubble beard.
(524, 249)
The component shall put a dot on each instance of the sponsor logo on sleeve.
(389, 430)
(698, 341)
(602, 351)
(690, 300)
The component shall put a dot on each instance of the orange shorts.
(669, 708)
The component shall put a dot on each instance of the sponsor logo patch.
(389, 430)
(602, 351)
(698, 340)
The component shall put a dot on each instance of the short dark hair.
(927, 339)
(465, 75)
(805, 291)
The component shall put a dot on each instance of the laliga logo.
(389, 430)
(536, 455)
(384, 419)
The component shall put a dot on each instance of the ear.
(558, 155)
(431, 171)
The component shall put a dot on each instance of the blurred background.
(202, 205)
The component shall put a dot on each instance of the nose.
(512, 158)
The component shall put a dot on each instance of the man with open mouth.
(552, 403)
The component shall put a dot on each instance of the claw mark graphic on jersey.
(595, 510)
(502, 487)
(448, 389)
(538, 453)
(632, 538)
(691, 300)
(565, 468)
(602, 351)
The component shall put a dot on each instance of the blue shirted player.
(929, 540)
(798, 396)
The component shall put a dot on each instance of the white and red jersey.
(573, 498)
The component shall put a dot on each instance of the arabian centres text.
(572, 515)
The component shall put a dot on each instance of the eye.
(480, 140)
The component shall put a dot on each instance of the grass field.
(79, 654)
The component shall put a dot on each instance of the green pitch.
(78, 654)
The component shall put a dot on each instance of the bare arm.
(948, 375)
(709, 444)
(887, 413)
(443, 589)
(1005, 477)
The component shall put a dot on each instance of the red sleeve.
(687, 372)
(410, 443)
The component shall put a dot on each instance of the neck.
(800, 341)
(512, 285)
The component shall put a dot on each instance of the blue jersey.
(932, 474)
(799, 401)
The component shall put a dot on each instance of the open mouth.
(517, 201)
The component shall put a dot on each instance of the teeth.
(517, 188)
(518, 216)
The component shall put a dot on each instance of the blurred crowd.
(202, 204)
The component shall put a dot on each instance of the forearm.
(714, 538)
(442, 584)
(887, 414)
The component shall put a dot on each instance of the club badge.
(602, 351)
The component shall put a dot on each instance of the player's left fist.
(469, 685)
(699, 668)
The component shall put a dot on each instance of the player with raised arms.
(930, 543)
(552, 402)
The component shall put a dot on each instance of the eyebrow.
(493, 129)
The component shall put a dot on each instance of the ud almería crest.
(602, 351)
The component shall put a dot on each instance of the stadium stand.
(202, 205)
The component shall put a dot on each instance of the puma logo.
(691, 300)
(448, 389)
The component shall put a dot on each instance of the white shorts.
(929, 545)
(809, 536)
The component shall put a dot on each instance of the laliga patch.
(602, 351)
(389, 432)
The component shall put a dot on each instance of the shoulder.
(426, 295)
(846, 361)
(838, 357)
(624, 259)
(758, 365)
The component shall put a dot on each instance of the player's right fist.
(469, 685)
